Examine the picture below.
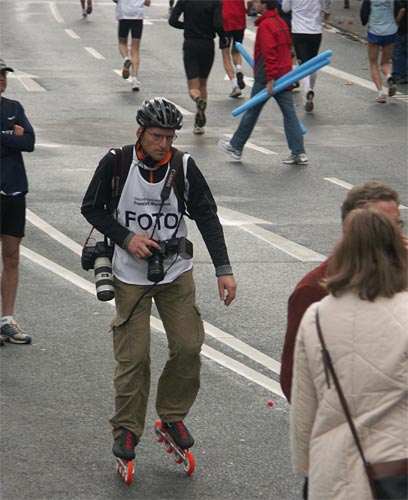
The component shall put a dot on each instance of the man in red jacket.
(272, 60)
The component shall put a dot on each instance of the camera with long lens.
(99, 258)
(155, 269)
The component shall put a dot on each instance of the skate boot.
(179, 433)
(124, 451)
(124, 445)
(176, 440)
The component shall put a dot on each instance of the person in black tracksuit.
(202, 21)
(125, 201)
(16, 135)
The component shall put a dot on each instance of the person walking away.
(202, 20)
(307, 37)
(86, 8)
(364, 323)
(400, 54)
(234, 22)
(382, 17)
(142, 217)
(272, 60)
(130, 14)
(16, 135)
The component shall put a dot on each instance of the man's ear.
(139, 132)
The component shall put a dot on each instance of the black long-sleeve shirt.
(202, 18)
(193, 193)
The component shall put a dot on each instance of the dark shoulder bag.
(388, 480)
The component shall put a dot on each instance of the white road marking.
(48, 145)
(94, 53)
(232, 218)
(347, 185)
(27, 81)
(56, 14)
(53, 232)
(251, 145)
(207, 351)
(72, 34)
(248, 224)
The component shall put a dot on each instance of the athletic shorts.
(135, 26)
(232, 36)
(13, 215)
(382, 40)
(198, 54)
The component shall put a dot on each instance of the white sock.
(234, 83)
(5, 319)
(239, 68)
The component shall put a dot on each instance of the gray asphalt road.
(279, 221)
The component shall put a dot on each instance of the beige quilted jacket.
(368, 343)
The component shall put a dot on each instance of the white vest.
(129, 9)
(138, 210)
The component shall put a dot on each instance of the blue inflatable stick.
(245, 54)
(280, 84)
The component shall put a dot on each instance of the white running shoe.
(236, 92)
(135, 84)
(296, 159)
(227, 148)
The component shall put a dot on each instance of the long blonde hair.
(371, 259)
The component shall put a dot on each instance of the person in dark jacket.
(135, 218)
(16, 135)
(272, 60)
(400, 54)
(202, 20)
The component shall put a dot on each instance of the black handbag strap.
(328, 366)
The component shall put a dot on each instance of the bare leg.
(373, 53)
(10, 251)
(236, 56)
(226, 59)
(194, 88)
(134, 55)
(386, 59)
(123, 47)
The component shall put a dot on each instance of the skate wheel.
(178, 459)
(159, 437)
(129, 474)
(188, 463)
(168, 447)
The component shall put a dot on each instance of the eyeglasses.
(160, 137)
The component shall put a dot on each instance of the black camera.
(99, 257)
(181, 246)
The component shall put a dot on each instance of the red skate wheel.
(157, 425)
(168, 447)
(129, 475)
(178, 458)
(188, 463)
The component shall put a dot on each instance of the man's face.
(156, 142)
(3, 82)
(392, 210)
(258, 6)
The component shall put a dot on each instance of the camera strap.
(175, 164)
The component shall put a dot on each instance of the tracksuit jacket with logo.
(13, 175)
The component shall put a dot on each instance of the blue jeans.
(293, 131)
(399, 57)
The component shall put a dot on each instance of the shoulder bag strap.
(328, 365)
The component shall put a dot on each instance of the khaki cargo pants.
(179, 382)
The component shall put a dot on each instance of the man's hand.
(269, 86)
(138, 246)
(405, 240)
(18, 130)
(227, 282)
(326, 16)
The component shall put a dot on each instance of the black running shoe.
(179, 433)
(200, 118)
(124, 445)
(240, 80)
